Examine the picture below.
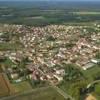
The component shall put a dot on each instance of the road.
(60, 91)
(94, 82)
(65, 95)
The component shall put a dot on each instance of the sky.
(52, 0)
(49, 0)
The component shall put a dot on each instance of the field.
(21, 87)
(97, 88)
(86, 13)
(97, 91)
(5, 87)
(45, 16)
(9, 46)
(41, 94)
(90, 73)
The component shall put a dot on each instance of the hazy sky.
(49, 0)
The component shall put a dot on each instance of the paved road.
(94, 82)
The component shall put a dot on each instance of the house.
(95, 61)
(87, 66)
(14, 76)
(60, 72)
(58, 77)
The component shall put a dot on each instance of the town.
(43, 53)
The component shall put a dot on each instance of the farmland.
(21, 87)
(41, 94)
(51, 13)
(5, 87)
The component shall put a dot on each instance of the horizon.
(53, 0)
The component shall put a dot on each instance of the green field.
(9, 46)
(96, 92)
(21, 87)
(42, 17)
(90, 73)
(97, 88)
(41, 94)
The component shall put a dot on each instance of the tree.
(51, 38)
(72, 73)
(77, 87)
(74, 92)
(98, 55)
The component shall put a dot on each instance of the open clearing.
(9, 46)
(91, 72)
(41, 94)
(21, 87)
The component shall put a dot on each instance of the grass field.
(41, 94)
(96, 92)
(79, 23)
(9, 46)
(21, 87)
(97, 88)
(91, 72)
